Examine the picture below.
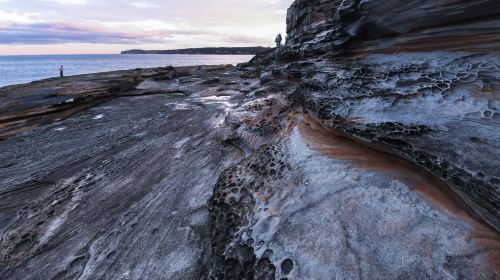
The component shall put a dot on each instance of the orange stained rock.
(371, 157)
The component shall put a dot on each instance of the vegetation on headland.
(221, 50)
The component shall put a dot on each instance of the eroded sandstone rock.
(416, 80)
(366, 148)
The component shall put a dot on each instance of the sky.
(30, 27)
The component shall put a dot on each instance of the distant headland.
(222, 50)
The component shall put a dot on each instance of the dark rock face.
(366, 148)
(388, 26)
(232, 207)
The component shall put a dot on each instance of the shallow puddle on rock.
(98, 117)
(332, 144)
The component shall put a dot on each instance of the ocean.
(25, 69)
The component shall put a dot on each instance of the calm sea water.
(24, 69)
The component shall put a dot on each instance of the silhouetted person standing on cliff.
(61, 71)
(278, 41)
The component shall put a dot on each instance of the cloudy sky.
(109, 26)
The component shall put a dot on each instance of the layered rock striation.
(416, 80)
(416, 68)
(119, 189)
(389, 26)
(366, 148)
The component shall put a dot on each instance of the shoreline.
(49, 100)
(117, 54)
(43, 64)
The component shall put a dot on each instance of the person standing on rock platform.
(61, 71)
(278, 41)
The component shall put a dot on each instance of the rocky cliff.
(366, 148)
(414, 67)
(391, 26)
